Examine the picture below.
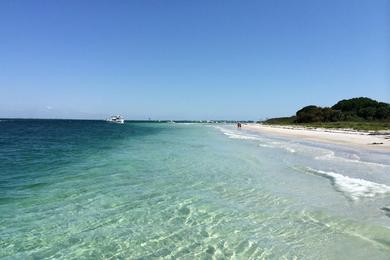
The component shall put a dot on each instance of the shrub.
(309, 114)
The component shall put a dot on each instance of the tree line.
(354, 109)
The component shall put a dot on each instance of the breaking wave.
(330, 155)
(234, 135)
(238, 136)
(353, 188)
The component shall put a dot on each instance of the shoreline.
(347, 137)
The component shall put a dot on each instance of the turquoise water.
(93, 190)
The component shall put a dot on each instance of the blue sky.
(189, 59)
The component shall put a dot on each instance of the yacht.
(116, 119)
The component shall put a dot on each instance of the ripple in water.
(87, 189)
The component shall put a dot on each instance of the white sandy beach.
(347, 137)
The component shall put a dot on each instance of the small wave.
(291, 150)
(266, 145)
(235, 135)
(328, 156)
(354, 188)
(354, 159)
(238, 136)
(285, 147)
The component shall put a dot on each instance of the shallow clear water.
(89, 189)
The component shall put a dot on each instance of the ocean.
(74, 189)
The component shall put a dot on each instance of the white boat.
(116, 119)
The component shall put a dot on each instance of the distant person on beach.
(238, 125)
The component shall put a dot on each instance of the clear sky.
(189, 59)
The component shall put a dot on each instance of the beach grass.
(364, 126)
(356, 125)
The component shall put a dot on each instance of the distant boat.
(116, 119)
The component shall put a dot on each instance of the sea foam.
(235, 135)
(242, 136)
(239, 136)
(354, 188)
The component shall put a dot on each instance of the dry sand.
(379, 141)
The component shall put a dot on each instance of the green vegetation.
(364, 125)
(281, 121)
(356, 113)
